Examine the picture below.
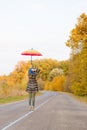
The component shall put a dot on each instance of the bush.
(78, 89)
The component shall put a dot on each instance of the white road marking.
(22, 117)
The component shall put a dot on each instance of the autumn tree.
(15, 83)
(54, 73)
(78, 60)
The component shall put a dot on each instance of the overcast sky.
(44, 25)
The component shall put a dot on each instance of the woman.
(32, 86)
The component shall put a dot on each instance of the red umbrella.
(31, 53)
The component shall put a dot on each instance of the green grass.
(14, 99)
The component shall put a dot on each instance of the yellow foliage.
(56, 84)
(15, 83)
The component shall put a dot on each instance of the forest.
(66, 76)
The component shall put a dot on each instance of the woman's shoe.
(32, 108)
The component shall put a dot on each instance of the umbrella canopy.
(31, 53)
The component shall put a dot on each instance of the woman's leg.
(30, 98)
(33, 98)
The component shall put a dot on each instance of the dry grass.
(80, 98)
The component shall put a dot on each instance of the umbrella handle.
(31, 61)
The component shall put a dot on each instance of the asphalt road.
(53, 111)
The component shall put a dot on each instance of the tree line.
(69, 75)
(77, 75)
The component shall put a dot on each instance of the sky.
(43, 25)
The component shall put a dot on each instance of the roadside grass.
(80, 98)
(15, 98)
(24, 97)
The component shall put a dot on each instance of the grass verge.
(14, 99)
(80, 98)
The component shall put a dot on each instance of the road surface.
(53, 111)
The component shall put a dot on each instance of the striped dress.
(32, 85)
